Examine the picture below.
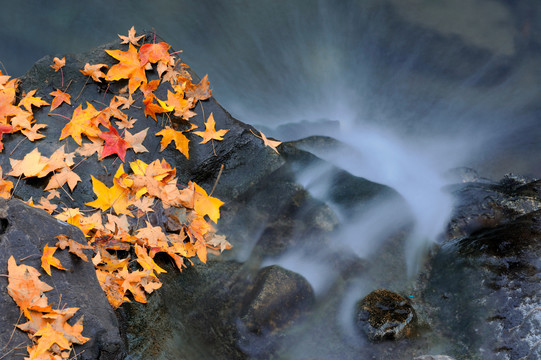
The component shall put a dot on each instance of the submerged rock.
(385, 315)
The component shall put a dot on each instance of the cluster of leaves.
(124, 244)
(118, 230)
(48, 328)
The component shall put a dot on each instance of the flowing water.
(412, 88)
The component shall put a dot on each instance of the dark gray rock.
(24, 233)
(277, 298)
(486, 204)
(385, 315)
(219, 311)
(484, 282)
(434, 357)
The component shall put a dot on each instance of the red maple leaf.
(114, 144)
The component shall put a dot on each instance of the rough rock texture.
(24, 233)
(220, 312)
(385, 315)
(484, 284)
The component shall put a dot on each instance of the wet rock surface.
(385, 315)
(24, 233)
(484, 283)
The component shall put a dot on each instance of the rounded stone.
(385, 315)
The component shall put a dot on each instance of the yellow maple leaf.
(210, 132)
(115, 196)
(181, 141)
(146, 261)
(206, 205)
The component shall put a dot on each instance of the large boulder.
(483, 288)
(24, 232)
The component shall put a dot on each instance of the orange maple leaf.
(59, 98)
(200, 91)
(181, 106)
(131, 38)
(32, 133)
(153, 109)
(273, 144)
(81, 123)
(58, 320)
(181, 141)
(146, 261)
(154, 53)
(31, 165)
(26, 288)
(94, 71)
(48, 260)
(5, 187)
(58, 63)
(129, 67)
(49, 337)
(73, 246)
(65, 175)
(210, 132)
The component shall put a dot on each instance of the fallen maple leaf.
(32, 133)
(273, 144)
(30, 100)
(154, 53)
(136, 141)
(114, 144)
(73, 246)
(5, 187)
(65, 175)
(49, 337)
(87, 149)
(210, 132)
(59, 98)
(153, 109)
(31, 165)
(81, 123)
(94, 71)
(146, 261)
(48, 260)
(131, 38)
(205, 204)
(129, 67)
(115, 197)
(200, 91)
(181, 141)
(180, 105)
(58, 63)
(25, 287)
(150, 87)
